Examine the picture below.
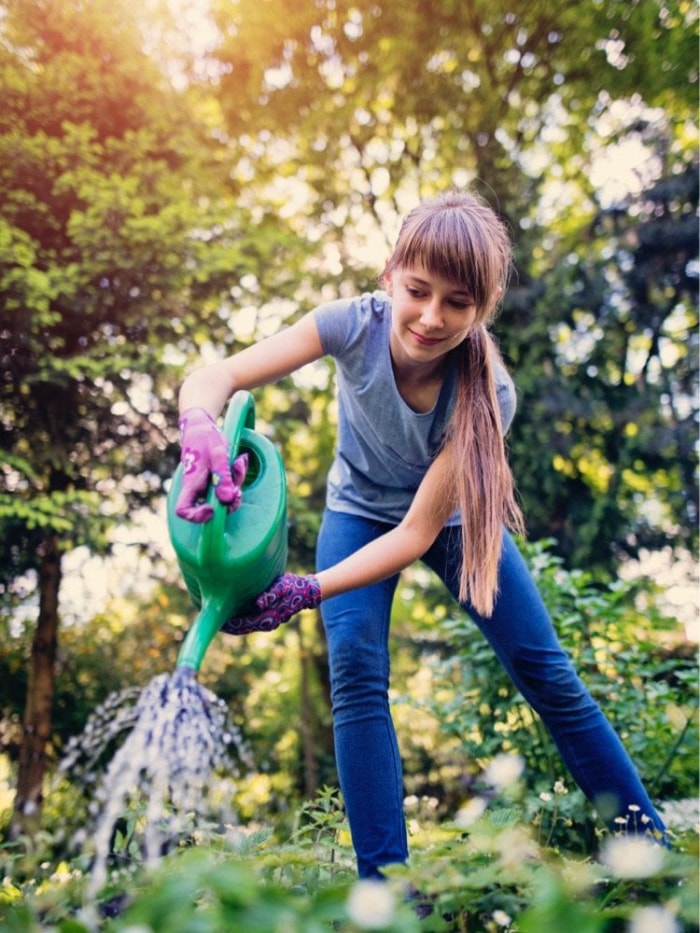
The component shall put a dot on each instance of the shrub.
(615, 635)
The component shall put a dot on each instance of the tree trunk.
(26, 817)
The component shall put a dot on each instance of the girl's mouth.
(425, 341)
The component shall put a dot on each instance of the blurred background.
(179, 179)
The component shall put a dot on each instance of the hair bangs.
(457, 238)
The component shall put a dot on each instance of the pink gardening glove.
(288, 595)
(205, 459)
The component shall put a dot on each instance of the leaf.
(505, 816)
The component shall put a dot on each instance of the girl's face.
(430, 315)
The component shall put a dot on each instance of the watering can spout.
(200, 635)
(228, 560)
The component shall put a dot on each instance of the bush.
(486, 875)
(645, 684)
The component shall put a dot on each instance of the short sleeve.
(507, 398)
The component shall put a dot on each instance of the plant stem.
(669, 758)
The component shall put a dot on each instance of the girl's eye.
(414, 292)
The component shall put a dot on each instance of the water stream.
(180, 735)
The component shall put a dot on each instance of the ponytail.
(459, 237)
(485, 491)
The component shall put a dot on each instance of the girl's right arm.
(204, 451)
(210, 386)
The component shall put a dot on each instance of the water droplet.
(180, 734)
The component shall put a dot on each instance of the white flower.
(632, 857)
(545, 796)
(561, 788)
(504, 770)
(471, 811)
(371, 904)
(515, 846)
(653, 919)
(501, 918)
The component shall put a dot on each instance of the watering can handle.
(240, 414)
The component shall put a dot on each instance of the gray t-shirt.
(384, 448)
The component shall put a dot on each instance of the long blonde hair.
(460, 238)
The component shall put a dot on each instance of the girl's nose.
(432, 314)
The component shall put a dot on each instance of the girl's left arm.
(432, 505)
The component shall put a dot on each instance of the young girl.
(420, 472)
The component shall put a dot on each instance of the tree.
(359, 108)
(116, 233)
(621, 374)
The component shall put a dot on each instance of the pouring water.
(180, 732)
(180, 737)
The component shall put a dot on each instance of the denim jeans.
(519, 631)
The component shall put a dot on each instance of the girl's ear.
(495, 298)
(387, 283)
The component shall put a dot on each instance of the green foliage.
(321, 821)
(119, 241)
(614, 635)
(119, 244)
(395, 102)
(143, 224)
(365, 108)
(610, 393)
(486, 876)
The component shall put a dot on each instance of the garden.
(500, 838)
(181, 178)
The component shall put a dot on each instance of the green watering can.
(227, 561)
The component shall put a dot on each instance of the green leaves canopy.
(117, 241)
(364, 107)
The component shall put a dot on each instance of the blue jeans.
(519, 631)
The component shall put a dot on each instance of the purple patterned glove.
(205, 458)
(288, 595)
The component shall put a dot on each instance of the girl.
(420, 472)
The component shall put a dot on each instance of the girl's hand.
(288, 595)
(205, 459)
